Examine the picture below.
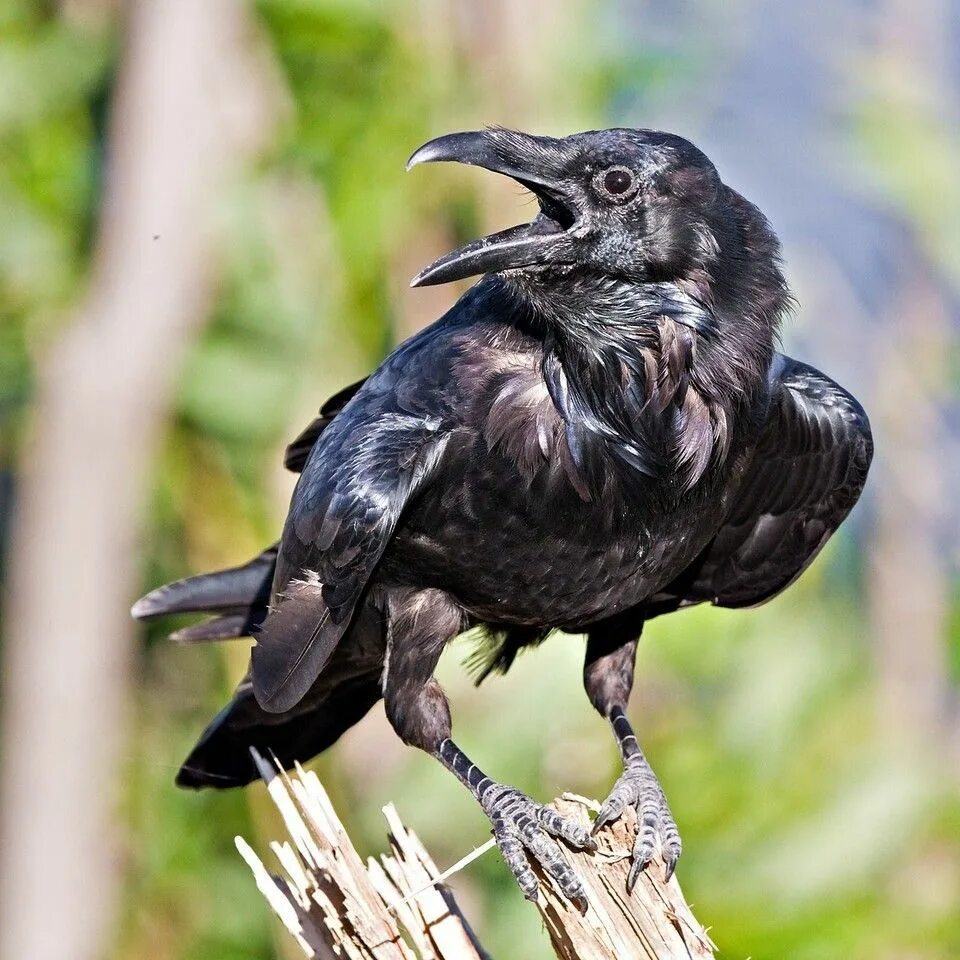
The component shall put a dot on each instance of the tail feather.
(221, 758)
(231, 626)
(240, 595)
(348, 687)
(294, 644)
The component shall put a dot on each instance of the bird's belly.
(526, 563)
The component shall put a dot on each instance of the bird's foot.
(638, 788)
(523, 829)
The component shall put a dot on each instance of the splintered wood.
(395, 908)
(652, 922)
(334, 905)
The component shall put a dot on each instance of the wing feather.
(806, 474)
(342, 517)
(298, 450)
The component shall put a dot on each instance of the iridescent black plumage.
(598, 432)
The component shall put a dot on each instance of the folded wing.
(297, 452)
(341, 519)
(808, 470)
(239, 596)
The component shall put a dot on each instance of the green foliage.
(361, 100)
(51, 78)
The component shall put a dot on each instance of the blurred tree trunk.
(189, 103)
(908, 576)
(910, 571)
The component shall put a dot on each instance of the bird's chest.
(516, 544)
(537, 523)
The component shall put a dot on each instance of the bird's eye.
(617, 182)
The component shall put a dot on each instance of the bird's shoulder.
(806, 472)
(436, 373)
(809, 410)
(376, 442)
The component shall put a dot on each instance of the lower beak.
(532, 162)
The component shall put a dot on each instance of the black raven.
(598, 432)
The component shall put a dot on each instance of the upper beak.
(532, 161)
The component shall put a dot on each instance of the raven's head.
(638, 205)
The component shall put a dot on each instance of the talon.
(579, 900)
(524, 831)
(638, 787)
(603, 818)
(611, 810)
(636, 868)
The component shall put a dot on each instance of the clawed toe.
(524, 829)
(656, 828)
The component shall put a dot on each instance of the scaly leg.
(608, 679)
(420, 626)
(521, 827)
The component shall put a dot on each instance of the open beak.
(534, 162)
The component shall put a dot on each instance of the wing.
(362, 472)
(806, 474)
(240, 595)
(346, 690)
(295, 456)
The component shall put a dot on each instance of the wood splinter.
(397, 908)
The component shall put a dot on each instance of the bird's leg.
(608, 678)
(418, 710)
(522, 827)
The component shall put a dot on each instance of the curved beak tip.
(431, 151)
(469, 146)
(420, 279)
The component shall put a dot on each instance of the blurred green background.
(810, 749)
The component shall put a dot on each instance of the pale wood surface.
(394, 908)
(652, 922)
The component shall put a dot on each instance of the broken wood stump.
(396, 907)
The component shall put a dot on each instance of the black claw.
(638, 788)
(598, 824)
(636, 868)
(525, 832)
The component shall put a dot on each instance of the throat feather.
(647, 380)
(639, 403)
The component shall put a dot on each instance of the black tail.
(239, 596)
(343, 693)
(222, 758)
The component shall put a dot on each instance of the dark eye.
(617, 181)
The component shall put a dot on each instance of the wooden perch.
(396, 908)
